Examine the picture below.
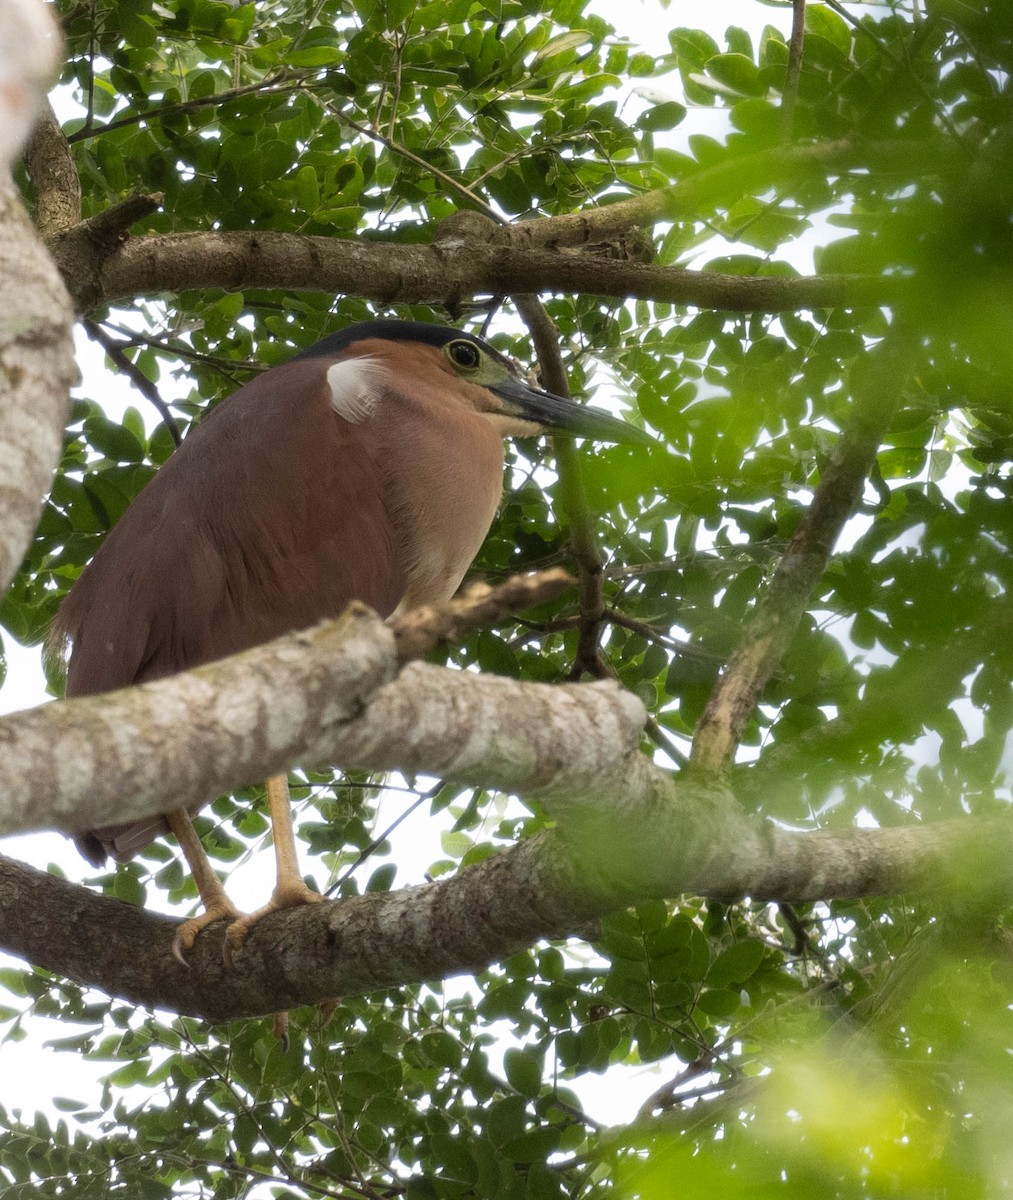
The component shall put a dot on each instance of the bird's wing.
(256, 526)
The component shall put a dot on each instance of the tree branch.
(583, 542)
(789, 97)
(626, 831)
(545, 887)
(36, 354)
(426, 274)
(108, 229)
(422, 629)
(512, 261)
(725, 182)
(30, 52)
(768, 634)
(91, 761)
(274, 85)
(54, 174)
(37, 370)
(117, 355)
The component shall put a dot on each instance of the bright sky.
(38, 1072)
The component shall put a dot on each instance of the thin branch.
(421, 630)
(862, 722)
(109, 228)
(651, 634)
(789, 97)
(769, 633)
(370, 849)
(448, 181)
(583, 542)
(727, 181)
(114, 350)
(284, 81)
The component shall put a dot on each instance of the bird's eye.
(464, 354)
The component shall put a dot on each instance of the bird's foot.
(186, 934)
(325, 1010)
(286, 895)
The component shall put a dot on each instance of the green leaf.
(523, 1071)
(382, 878)
(114, 441)
(736, 73)
(825, 23)
(560, 44)
(736, 964)
(662, 116)
(315, 56)
(719, 1002)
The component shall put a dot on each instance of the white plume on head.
(356, 384)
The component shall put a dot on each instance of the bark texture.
(626, 831)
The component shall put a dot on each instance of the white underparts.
(356, 384)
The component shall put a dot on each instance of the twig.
(789, 97)
(650, 634)
(725, 181)
(283, 82)
(582, 540)
(422, 629)
(137, 377)
(396, 148)
(370, 849)
(110, 227)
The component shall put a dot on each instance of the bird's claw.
(187, 933)
(281, 1030)
(179, 943)
(284, 897)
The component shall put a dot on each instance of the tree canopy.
(731, 798)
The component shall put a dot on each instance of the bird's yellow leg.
(216, 903)
(290, 888)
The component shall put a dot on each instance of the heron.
(369, 467)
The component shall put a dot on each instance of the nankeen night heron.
(368, 468)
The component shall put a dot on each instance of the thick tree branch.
(30, 51)
(37, 370)
(549, 886)
(510, 259)
(626, 830)
(311, 698)
(425, 274)
(54, 174)
(768, 634)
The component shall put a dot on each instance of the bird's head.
(416, 359)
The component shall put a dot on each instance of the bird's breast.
(445, 480)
